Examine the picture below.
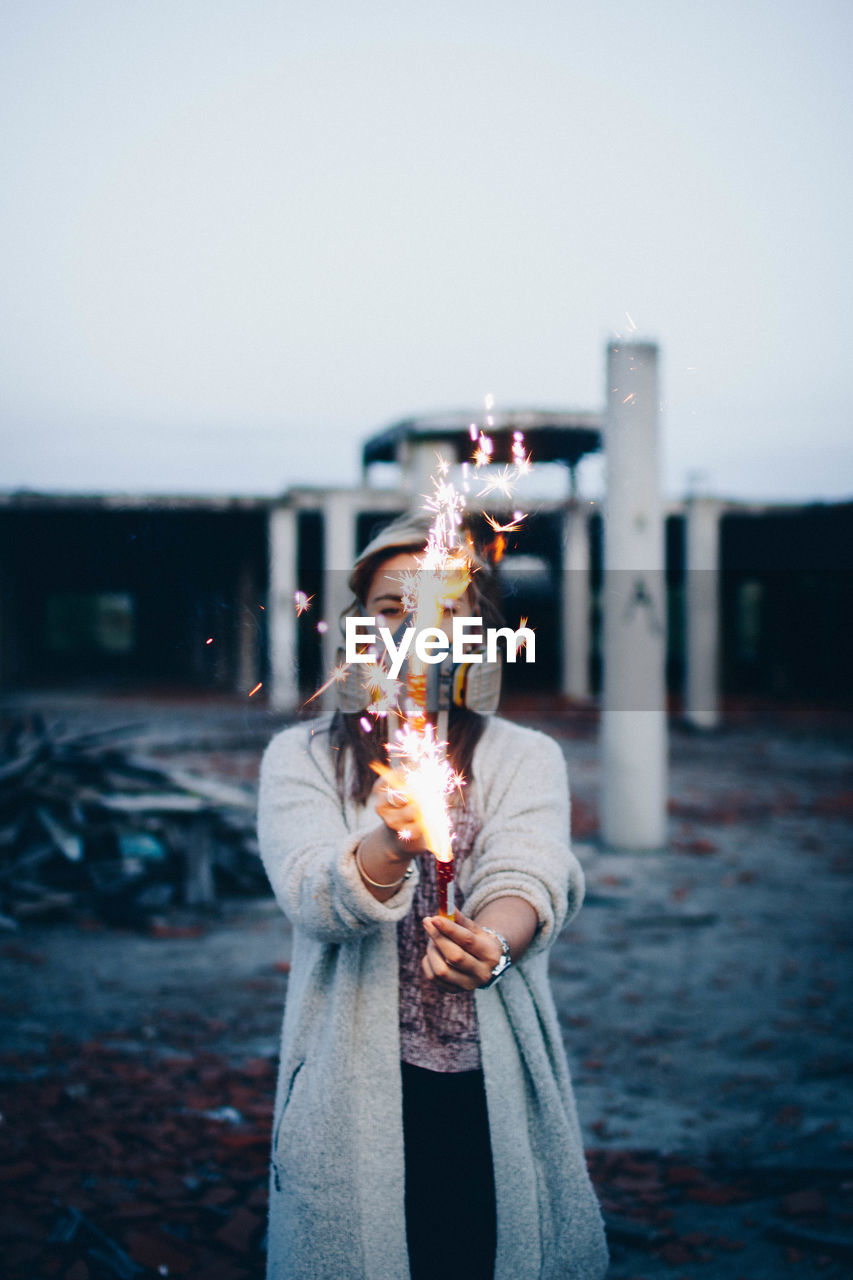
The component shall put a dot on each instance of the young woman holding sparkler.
(424, 1115)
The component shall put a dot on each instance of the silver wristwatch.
(503, 963)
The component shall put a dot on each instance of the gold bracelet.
(375, 883)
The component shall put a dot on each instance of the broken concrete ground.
(703, 992)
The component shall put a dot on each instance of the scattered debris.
(89, 827)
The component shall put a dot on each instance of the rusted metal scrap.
(89, 826)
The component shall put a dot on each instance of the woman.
(424, 1116)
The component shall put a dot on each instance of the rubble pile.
(89, 827)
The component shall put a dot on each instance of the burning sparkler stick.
(418, 767)
(418, 752)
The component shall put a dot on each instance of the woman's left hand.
(460, 955)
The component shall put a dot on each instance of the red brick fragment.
(155, 1250)
(675, 1253)
(697, 1238)
(159, 930)
(257, 1068)
(699, 845)
(239, 1230)
(237, 1140)
(711, 1194)
(218, 1196)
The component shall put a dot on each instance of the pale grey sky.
(236, 238)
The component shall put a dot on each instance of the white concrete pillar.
(634, 726)
(247, 629)
(702, 613)
(339, 515)
(281, 612)
(575, 602)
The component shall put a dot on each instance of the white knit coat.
(337, 1183)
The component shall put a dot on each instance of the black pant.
(450, 1187)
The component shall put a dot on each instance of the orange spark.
(302, 602)
(337, 675)
(515, 523)
(495, 549)
(522, 623)
(258, 686)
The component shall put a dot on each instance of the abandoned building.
(171, 593)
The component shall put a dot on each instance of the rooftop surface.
(552, 435)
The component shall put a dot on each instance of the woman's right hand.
(399, 813)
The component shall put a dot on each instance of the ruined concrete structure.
(198, 592)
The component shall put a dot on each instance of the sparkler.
(418, 767)
(425, 774)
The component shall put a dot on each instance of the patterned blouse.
(437, 1030)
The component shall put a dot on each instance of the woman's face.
(385, 597)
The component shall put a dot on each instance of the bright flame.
(499, 482)
(422, 774)
(496, 548)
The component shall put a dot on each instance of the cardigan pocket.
(291, 1084)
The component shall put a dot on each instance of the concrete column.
(702, 610)
(247, 629)
(575, 602)
(634, 727)
(281, 612)
(339, 513)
